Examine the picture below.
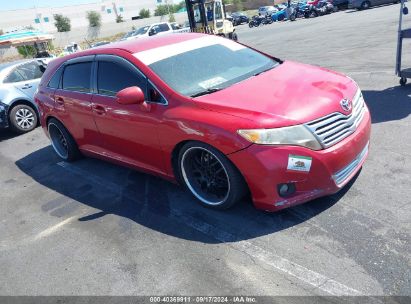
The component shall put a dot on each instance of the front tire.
(62, 142)
(23, 118)
(210, 176)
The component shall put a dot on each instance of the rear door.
(73, 102)
(26, 77)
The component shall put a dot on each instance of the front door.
(129, 132)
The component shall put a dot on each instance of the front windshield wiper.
(263, 71)
(205, 92)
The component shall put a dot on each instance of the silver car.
(365, 4)
(267, 10)
(18, 82)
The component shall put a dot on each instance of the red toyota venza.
(219, 117)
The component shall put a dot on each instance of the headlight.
(294, 136)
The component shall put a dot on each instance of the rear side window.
(14, 76)
(54, 82)
(30, 70)
(163, 27)
(113, 77)
(77, 76)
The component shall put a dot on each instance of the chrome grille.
(335, 127)
(341, 176)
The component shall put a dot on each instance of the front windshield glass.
(141, 30)
(218, 65)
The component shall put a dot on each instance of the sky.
(18, 4)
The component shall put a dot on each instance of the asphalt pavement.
(93, 228)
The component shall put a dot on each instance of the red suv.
(217, 116)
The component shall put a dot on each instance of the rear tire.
(23, 118)
(210, 176)
(62, 141)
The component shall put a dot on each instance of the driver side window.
(113, 77)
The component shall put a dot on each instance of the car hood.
(289, 94)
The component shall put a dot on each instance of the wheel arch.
(20, 101)
(54, 117)
(174, 159)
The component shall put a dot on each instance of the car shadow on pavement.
(390, 104)
(6, 134)
(154, 202)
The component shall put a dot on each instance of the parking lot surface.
(93, 228)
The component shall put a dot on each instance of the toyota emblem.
(346, 104)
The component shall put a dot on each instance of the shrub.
(27, 50)
(94, 19)
(62, 23)
(144, 13)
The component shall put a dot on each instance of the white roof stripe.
(157, 54)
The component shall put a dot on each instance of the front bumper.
(4, 120)
(265, 167)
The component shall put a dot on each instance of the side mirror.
(131, 95)
(405, 10)
(152, 32)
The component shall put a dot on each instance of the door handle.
(60, 100)
(27, 86)
(100, 110)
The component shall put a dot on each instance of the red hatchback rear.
(219, 117)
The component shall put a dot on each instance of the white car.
(150, 30)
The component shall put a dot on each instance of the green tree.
(164, 9)
(62, 23)
(144, 13)
(94, 18)
(119, 19)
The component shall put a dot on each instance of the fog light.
(285, 190)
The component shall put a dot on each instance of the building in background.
(41, 18)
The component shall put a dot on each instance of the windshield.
(217, 66)
(141, 31)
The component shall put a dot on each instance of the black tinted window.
(76, 77)
(163, 27)
(113, 77)
(55, 80)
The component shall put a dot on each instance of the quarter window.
(77, 76)
(114, 77)
(54, 82)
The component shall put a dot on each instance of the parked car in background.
(239, 18)
(339, 4)
(266, 10)
(365, 4)
(100, 43)
(280, 15)
(18, 82)
(149, 30)
(220, 127)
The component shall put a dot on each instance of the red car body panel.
(147, 136)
